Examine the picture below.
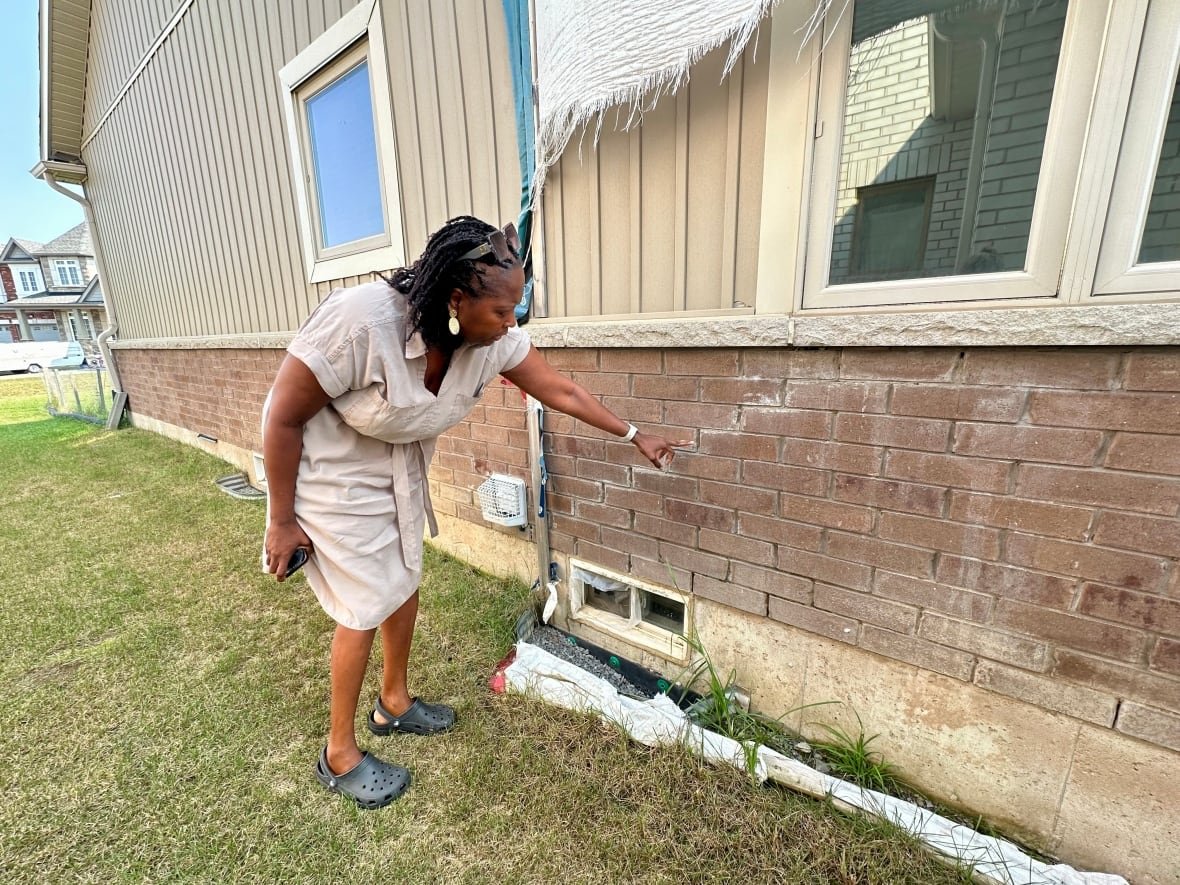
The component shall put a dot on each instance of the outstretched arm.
(540, 380)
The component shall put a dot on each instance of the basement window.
(646, 615)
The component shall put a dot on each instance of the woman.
(373, 376)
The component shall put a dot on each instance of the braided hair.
(429, 281)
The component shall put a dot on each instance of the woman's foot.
(418, 717)
(370, 783)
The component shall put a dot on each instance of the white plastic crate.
(502, 500)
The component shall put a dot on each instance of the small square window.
(645, 615)
(340, 127)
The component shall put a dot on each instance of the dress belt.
(408, 525)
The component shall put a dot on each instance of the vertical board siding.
(190, 176)
(673, 205)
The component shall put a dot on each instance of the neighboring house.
(51, 291)
(911, 288)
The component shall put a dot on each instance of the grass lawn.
(164, 704)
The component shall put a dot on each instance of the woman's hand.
(657, 449)
(282, 538)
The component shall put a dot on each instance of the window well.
(647, 615)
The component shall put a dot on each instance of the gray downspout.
(105, 335)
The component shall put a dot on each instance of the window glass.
(946, 110)
(1161, 233)
(344, 159)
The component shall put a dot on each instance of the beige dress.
(361, 493)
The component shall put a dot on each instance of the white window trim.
(60, 277)
(1118, 270)
(633, 630)
(1073, 87)
(362, 21)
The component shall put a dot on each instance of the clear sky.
(28, 208)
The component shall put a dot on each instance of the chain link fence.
(78, 393)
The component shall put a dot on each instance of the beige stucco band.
(1086, 325)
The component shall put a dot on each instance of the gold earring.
(453, 322)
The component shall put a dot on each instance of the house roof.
(75, 241)
(68, 298)
(14, 246)
(64, 37)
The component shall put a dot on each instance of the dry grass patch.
(165, 703)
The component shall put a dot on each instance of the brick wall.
(1006, 517)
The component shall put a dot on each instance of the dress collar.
(415, 346)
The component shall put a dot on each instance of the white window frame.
(34, 273)
(66, 263)
(633, 629)
(1118, 271)
(361, 23)
(810, 177)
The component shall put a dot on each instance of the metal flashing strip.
(139, 69)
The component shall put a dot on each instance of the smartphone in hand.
(297, 561)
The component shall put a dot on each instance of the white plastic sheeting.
(659, 721)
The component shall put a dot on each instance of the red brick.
(927, 655)
(963, 403)
(1145, 452)
(949, 470)
(790, 423)
(772, 582)
(962, 604)
(764, 362)
(1098, 488)
(824, 568)
(743, 497)
(1119, 679)
(865, 460)
(576, 527)
(604, 383)
(666, 387)
(1126, 607)
(837, 396)
(665, 529)
(1165, 657)
(615, 474)
(888, 494)
(882, 554)
(937, 534)
(585, 489)
(926, 434)
(631, 499)
(649, 411)
(1070, 631)
(489, 433)
(602, 514)
(697, 361)
(1035, 517)
(1084, 561)
(1157, 726)
(569, 359)
(1075, 368)
(631, 360)
(812, 620)
(1013, 583)
(603, 556)
(701, 515)
(780, 531)
(734, 596)
(780, 476)
(1146, 412)
(1153, 370)
(706, 467)
(662, 483)
(890, 364)
(988, 643)
(693, 560)
(1053, 444)
(659, 572)
(630, 543)
(817, 511)
(578, 447)
(865, 608)
(737, 548)
(1048, 694)
(747, 446)
(742, 391)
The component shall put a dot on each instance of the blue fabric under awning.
(516, 18)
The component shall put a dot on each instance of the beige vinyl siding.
(204, 240)
(665, 217)
(68, 66)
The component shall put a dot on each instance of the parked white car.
(33, 356)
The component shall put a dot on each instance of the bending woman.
(371, 379)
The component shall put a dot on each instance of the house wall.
(229, 261)
(664, 217)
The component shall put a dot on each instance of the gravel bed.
(556, 644)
